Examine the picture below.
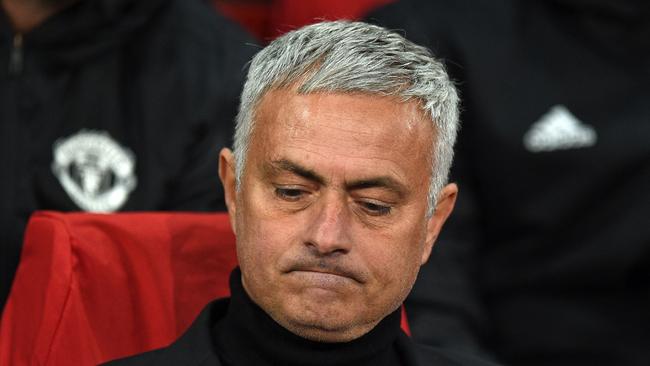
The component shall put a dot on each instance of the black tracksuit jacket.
(546, 259)
(153, 85)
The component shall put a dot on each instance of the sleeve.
(445, 307)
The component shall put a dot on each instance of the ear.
(227, 176)
(444, 206)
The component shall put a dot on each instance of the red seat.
(92, 287)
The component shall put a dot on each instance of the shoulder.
(196, 20)
(190, 37)
(442, 11)
(189, 65)
(425, 22)
(193, 348)
(199, 29)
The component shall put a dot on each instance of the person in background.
(112, 105)
(547, 258)
(336, 191)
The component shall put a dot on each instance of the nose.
(329, 230)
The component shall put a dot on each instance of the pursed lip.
(340, 272)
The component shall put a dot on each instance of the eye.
(289, 194)
(375, 209)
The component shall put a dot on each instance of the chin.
(323, 331)
(324, 323)
(322, 311)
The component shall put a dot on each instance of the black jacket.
(115, 105)
(546, 258)
(196, 347)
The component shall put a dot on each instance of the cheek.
(259, 251)
(394, 257)
(262, 238)
(258, 244)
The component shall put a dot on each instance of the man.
(336, 191)
(112, 105)
(546, 260)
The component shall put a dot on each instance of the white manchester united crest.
(96, 172)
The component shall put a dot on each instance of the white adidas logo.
(559, 129)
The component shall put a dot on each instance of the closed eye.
(375, 209)
(289, 194)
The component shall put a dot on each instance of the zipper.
(16, 58)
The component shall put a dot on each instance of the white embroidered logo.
(559, 129)
(96, 172)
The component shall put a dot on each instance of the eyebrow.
(377, 182)
(287, 165)
(387, 183)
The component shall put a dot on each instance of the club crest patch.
(95, 171)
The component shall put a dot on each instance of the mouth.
(326, 275)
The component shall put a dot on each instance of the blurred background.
(123, 105)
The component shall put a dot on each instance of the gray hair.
(354, 57)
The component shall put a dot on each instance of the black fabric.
(247, 336)
(160, 77)
(546, 258)
(236, 332)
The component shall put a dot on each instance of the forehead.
(357, 131)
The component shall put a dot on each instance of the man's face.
(331, 215)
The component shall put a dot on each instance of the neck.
(26, 15)
(249, 336)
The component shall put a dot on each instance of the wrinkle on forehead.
(347, 164)
(346, 127)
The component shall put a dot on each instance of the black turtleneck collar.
(249, 336)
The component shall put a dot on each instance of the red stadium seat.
(92, 287)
